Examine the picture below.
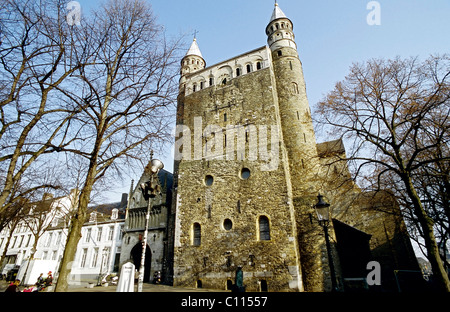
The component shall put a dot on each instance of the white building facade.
(98, 250)
(30, 238)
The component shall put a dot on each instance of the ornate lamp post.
(100, 274)
(323, 214)
(149, 189)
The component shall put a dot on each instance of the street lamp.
(31, 257)
(323, 214)
(100, 275)
(149, 189)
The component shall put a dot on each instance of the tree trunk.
(440, 276)
(76, 225)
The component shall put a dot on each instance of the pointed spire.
(277, 13)
(194, 49)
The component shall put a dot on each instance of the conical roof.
(277, 13)
(194, 49)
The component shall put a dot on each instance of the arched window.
(238, 72)
(264, 228)
(263, 285)
(295, 88)
(249, 68)
(211, 81)
(196, 234)
(258, 65)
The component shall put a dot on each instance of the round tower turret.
(280, 31)
(193, 60)
(296, 121)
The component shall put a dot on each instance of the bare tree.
(395, 113)
(35, 62)
(126, 98)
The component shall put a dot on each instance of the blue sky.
(330, 35)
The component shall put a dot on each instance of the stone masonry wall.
(248, 100)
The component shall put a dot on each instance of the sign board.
(126, 278)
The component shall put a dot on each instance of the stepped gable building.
(247, 173)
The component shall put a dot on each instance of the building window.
(209, 180)
(258, 65)
(49, 240)
(14, 241)
(238, 72)
(245, 173)
(99, 234)
(196, 234)
(83, 258)
(279, 53)
(295, 88)
(227, 224)
(88, 236)
(21, 240)
(211, 81)
(111, 233)
(249, 68)
(264, 228)
(263, 285)
(94, 258)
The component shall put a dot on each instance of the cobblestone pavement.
(146, 288)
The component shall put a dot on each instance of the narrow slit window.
(197, 234)
(264, 228)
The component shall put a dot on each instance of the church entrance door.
(136, 255)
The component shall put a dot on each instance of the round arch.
(136, 255)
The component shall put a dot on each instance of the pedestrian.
(40, 280)
(49, 279)
(13, 287)
(239, 281)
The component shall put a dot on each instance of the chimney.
(124, 201)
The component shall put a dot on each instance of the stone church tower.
(248, 170)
